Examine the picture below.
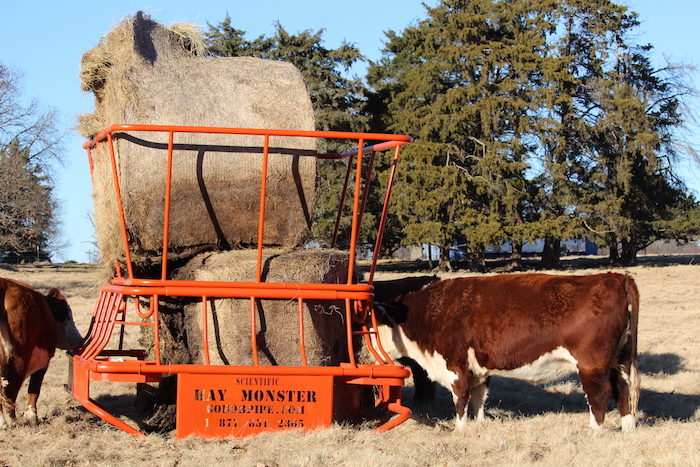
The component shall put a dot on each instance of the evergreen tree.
(27, 207)
(461, 78)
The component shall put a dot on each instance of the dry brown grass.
(528, 424)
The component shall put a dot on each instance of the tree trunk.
(629, 253)
(475, 255)
(445, 264)
(430, 256)
(551, 253)
(614, 255)
(516, 256)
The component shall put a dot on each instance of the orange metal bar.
(348, 331)
(166, 214)
(355, 214)
(137, 308)
(141, 367)
(302, 345)
(382, 219)
(205, 331)
(238, 292)
(238, 285)
(261, 218)
(120, 206)
(379, 342)
(341, 205)
(254, 332)
(156, 329)
(104, 134)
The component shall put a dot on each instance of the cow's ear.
(391, 313)
(55, 293)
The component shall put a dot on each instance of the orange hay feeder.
(215, 401)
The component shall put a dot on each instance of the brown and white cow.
(32, 326)
(533, 327)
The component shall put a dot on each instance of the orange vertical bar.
(261, 218)
(382, 219)
(253, 332)
(302, 345)
(355, 211)
(348, 331)
(166, 215)
(342, 202)
(120, 206)
(379, 342)
(205, 331)
(156, 329)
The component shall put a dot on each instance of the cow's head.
(391, 313)
(68, 335)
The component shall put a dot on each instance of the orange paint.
(225, 400)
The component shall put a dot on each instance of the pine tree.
(461, 78)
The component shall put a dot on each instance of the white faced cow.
(532, 327)
(32, 326)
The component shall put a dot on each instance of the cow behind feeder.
(32, 326)
(532, 327)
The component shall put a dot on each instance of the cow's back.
(509, 319)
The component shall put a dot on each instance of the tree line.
(532, 119)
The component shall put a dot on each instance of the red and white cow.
(532, 327)
(32, 326)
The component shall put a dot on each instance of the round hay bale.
(144, 73)
(277, 333)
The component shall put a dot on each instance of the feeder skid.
(214, 400)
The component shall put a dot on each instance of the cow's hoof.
(628, 423)
(30, 416)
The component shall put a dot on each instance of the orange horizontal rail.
(242, 292)
(140, 367)
(123, 281)
(397, 139)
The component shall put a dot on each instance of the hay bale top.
(139, 57)
(279, 265)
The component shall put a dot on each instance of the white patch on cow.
(30, 415)
(548, 367)
(397, 345)
(38, 360)
(3, 423)
(591, 420)
(628, 423)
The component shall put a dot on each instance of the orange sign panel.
(220, 406)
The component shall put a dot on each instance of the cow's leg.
(477, 398)
(596, 386)
(460, 394)
(622, 380)
(11, 383)
(33, 391)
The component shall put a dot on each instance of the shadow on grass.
(512, 398)
(664, 363)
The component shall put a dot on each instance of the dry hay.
(277, 328)
(277, 322)
(145, 73)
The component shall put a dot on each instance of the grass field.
(528, 424)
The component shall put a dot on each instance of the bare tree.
(29, 144)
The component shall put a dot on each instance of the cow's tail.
(633, 323)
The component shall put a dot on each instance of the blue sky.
(44, 40)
